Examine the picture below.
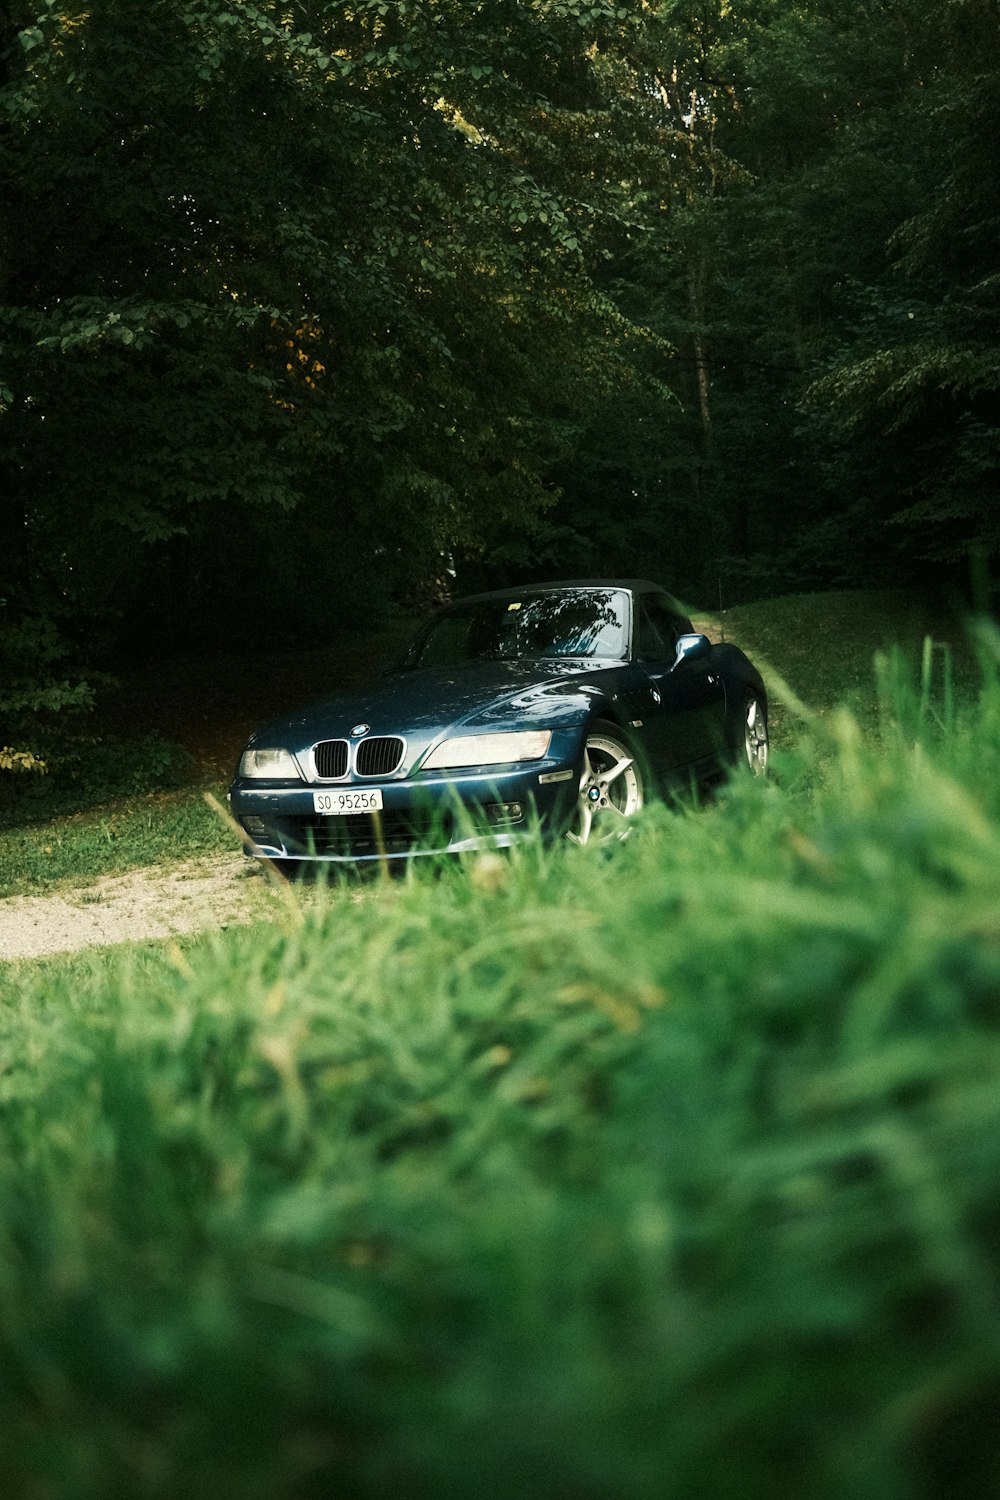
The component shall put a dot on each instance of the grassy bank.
(669, 1173)
(162, 828)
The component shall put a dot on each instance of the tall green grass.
(160, 828)
(669, 1171)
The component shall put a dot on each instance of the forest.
(310, 309)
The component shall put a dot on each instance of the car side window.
(659, 627)
(649, 647)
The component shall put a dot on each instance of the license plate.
(340, 803)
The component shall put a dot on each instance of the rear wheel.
(756, 748)
(611, 789)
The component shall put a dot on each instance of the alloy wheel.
(610, 791)
(755, 739)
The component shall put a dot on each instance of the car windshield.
(586, 622)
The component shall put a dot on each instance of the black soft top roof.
(633, 585)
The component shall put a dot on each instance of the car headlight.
(274, 765)
(489, 749)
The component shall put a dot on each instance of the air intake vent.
(378, 756)
(331, 759)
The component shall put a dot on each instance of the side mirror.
(691, 648)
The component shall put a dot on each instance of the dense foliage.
(301, 303)
(634, 1178)
(288, 300)
(823, 276)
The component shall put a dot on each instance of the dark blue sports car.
(560, 706)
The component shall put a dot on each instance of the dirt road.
(222, 891)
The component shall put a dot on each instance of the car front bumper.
(421, 816)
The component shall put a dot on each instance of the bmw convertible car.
(558, 707)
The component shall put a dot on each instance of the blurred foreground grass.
(664, 1172)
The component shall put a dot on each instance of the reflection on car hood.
(425, 702)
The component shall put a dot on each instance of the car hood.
(421, 705)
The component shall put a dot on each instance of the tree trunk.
(696, 309)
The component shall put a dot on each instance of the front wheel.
(756, 748)
(611, 789)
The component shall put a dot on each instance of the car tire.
(612, 787)
(755, 748)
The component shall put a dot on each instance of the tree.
(834, 420)
(914, 390)
(288, 299)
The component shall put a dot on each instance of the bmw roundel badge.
(359, 730)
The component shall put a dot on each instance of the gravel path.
(223, 891)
